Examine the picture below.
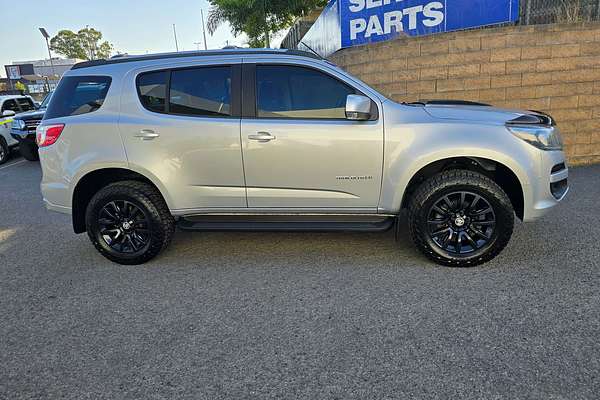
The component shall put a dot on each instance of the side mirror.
(358, 108)
(8, 113)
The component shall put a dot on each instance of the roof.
(11, 96)
(205, 53)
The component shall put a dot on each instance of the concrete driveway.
(298, 315)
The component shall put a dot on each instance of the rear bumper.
(56, 208)
(550, 188)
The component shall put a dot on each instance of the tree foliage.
(86, 44)
(258, 19)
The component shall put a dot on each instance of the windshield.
(46, 100)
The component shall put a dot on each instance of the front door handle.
(147, 134)
(262, 137)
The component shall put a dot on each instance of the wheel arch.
(513, 183)
(90, 183)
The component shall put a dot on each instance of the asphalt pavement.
(297, 315)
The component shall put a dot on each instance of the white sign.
(13, 72)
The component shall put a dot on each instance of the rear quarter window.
(77, 95)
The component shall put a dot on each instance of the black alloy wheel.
(129, 222)
(124, 227)
(460, 218)
(461, 222)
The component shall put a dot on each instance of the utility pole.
(267, 32)
(203, 29)
(175, 35)
(46, 36)
(197, 45)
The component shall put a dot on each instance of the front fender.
(411, 147)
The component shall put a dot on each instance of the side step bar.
(285, 224)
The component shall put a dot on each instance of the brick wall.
(551, 68)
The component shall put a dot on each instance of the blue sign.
(365, 21)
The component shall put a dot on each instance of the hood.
(478, 112)
(29, 115)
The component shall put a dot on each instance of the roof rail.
(201, 53)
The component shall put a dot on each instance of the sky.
(132, 26)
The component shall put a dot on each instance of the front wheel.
(29, 151)
(129, 222)
(4, 151)
(460, 218)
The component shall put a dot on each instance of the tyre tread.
(447, 179)
(154, 203)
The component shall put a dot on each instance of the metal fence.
(561, 11)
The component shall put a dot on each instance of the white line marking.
(13, 164)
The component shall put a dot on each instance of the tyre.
(29, 151)
(460, 218)
(129, 222)
(4, 151)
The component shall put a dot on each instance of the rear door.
(299, 150)
(181, 126)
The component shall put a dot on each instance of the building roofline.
(202, 53)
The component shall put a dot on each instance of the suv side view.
(280, 140)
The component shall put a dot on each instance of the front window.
(298, 92)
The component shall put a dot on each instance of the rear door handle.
(262, 137)
(147, 134)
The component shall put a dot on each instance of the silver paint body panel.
(209, 165)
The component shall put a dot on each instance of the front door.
(299, 150)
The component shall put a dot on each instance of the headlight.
(542, 137)
(18, 124)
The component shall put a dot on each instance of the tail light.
(46, 135)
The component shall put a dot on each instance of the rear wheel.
(29, 151)
(460, 218)
(129, 222)
(4, 151)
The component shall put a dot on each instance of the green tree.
(258, 19)
(86, 44)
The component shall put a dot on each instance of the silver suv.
(280, 140)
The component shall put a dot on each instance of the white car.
(9, 107)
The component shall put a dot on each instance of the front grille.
(31, 125)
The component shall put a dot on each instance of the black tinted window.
(26, 104)
(152, 88)
(10, 105)
(296, 92)
(76, 95)
(201, 91)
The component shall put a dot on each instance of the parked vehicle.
(23, 130)
(281, 140)
(9, 107)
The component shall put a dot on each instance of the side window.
(297, 92)
(10, 105)
(76, 95)
(152, 89)
(201, 91)
(25, 103)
